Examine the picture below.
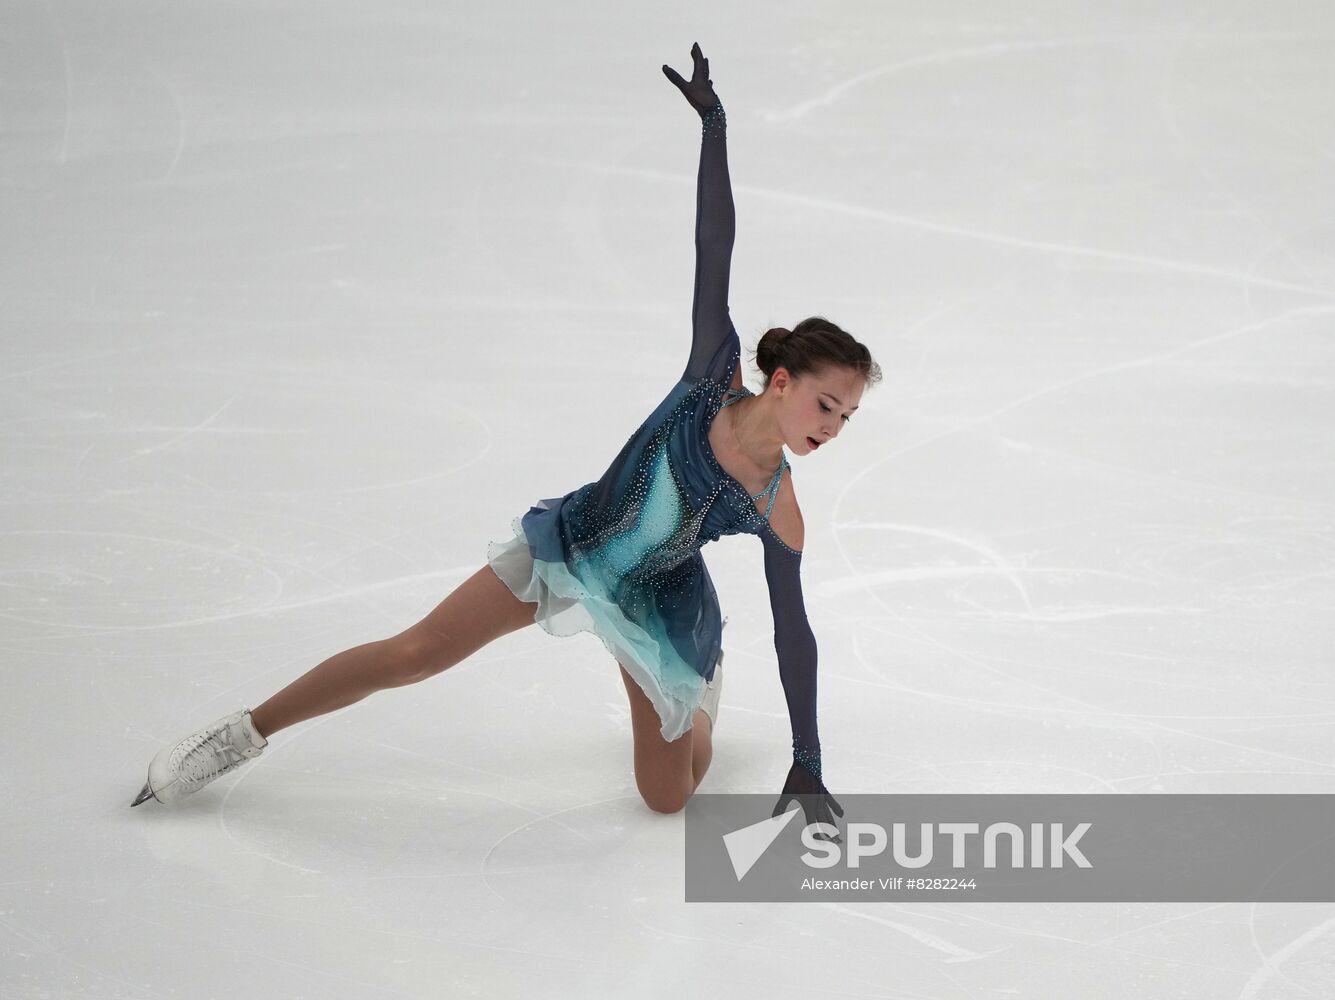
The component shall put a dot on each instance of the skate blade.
(145, 794)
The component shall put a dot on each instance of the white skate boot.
(189, 764)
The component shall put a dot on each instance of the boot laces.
(203, 756)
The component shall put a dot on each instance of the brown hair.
(811, 346)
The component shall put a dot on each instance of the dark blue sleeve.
(795, 645)
(715, 227)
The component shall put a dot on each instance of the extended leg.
(480, 609)
(667, 774)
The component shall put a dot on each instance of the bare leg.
(667, 774)
(480, 609)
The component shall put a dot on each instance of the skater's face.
(813, 409)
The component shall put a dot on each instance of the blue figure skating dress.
(620, 557)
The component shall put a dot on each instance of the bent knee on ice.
(662, 798)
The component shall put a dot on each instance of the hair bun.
(822, 344)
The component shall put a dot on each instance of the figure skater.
(620, 557)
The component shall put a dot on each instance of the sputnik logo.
(745, 846)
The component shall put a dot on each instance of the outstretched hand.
(810, 793)
(700, 90)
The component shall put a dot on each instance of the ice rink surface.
(303, 303)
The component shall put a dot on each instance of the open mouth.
(814, 443)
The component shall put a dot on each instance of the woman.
(620, 557)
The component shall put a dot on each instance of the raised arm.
(715, 221)
(795, 645)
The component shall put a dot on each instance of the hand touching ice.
(810, 793)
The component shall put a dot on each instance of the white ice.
(303, 304)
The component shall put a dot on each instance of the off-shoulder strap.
(731, 395)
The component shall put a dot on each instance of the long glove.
(700, 90)
(810, 793)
